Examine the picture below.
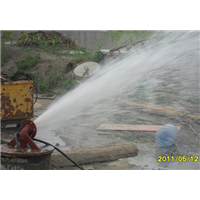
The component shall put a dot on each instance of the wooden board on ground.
(128, 127)
(160, 109)
(94, 155)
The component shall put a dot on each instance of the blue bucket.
(167, 135)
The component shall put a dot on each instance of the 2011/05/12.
(178, 158)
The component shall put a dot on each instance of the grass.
(4, 58)
(82, 54)
(6, 53)
(42, 87)
(28, 62)
(69, 84)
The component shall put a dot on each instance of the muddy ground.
(80, 134)
(7, 135)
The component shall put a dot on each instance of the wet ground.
(82, 133)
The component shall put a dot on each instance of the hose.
(49, 98)
(59, 152)
(17, 142)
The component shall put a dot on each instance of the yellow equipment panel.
(16, 100)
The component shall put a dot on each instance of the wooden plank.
(159, 109)
(128, 127)
(93, 155)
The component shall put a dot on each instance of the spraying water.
(167, 74)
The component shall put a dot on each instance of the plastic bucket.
(167, 135)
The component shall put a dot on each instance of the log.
(128, 127)
(93, 155)
(159, 109)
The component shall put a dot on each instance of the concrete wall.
(89, 39)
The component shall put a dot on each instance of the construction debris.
(128, 127)
(46, 38)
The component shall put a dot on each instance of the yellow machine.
(16, 101)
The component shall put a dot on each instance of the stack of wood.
(46, 38)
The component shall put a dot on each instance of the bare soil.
(48, 63)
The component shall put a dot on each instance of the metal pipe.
(28, 131)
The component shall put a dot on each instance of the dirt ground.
(78, 137)
(78, 134)
(46, 65)
(7, 135)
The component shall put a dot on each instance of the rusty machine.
(17, 98)
(23, 152)
(17, 108)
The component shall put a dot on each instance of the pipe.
(28, 131)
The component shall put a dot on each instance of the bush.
(28, 62)
(42, 87)
(69, 84)
(98, 56)
(53, 79)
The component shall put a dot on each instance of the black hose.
(4, 80)
(49, 98)
(59, 151)
(36, 92)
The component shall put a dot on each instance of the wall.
(89, 39)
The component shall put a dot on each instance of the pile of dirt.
(48, 38)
